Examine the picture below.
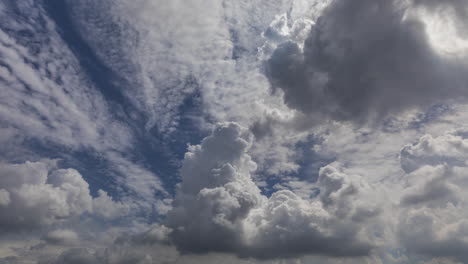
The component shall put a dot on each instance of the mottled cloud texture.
(209, 131)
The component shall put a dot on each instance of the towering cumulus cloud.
(219, 208)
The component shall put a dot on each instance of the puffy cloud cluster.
(434, 204)
(450, 148)
(364, 60)
(216, 192)
(219, 208)
(108, 209)
(36, 194)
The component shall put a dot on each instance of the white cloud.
(449, 148)
(218, 197)
(107, 209)
(46, 97)
(41, 195)
(433, 203)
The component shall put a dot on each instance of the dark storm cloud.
(365, 59)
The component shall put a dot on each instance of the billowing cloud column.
(216, 192)
(219, 208)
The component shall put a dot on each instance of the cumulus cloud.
(216, 192)
(218, 197)
(450, 148)
(37, 194)
(433, 216)
(365, 60)
(108, 209)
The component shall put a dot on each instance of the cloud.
(34, 97)
(61, 237)
(50, 107)
(159, 50)
(40, 195)
(450, 148)
(218, 197)
(363, 61)
(108, 209)
(37, 195)
(432, 221)
(216, 192)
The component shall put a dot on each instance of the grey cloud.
(75, 256)
(216, 192)
(39, 195)
(218, 208)
(61, 237)
(153, 235)
(364, 60)
(421, 233)
(341, 193)
(436, 188)
(288, 226)
(450, 148)
(108, 209)
(433, 215)
(11, 260)
(432, 191)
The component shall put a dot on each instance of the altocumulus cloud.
(289, 131)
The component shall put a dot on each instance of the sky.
(233, 131)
